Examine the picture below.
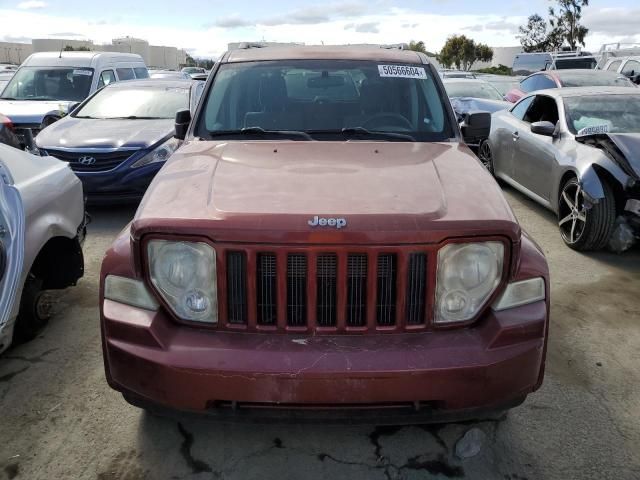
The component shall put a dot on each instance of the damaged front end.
(622, 162)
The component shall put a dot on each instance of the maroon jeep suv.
(325, 245)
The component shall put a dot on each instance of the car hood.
(627, 143)
(89, 133)
(266, 191)
(467, 104)
(32, 112)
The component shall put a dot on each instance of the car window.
(125, 74)
(596, 78)
(136, 101)
(50, 83)
(530, 63)
(609, 113)
(521, 108)
(106, 78)
(545, 81)
(528, 84)
(576, 62)
(542, 109)
(324, 96)
(632, 67)
(196, 93)
(141, 72)
(613, 66)
(477, 89)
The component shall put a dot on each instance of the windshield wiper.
(8, 98)
(248, 131)
(363, 132)
(135, 117)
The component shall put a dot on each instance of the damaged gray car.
(575, 151)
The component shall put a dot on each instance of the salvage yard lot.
(59, 418)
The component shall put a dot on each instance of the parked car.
(5, 76)
(8, 67)
(502, 83)
(456, 74)
(575, 151)
(42, 221)
(470, 95)
(567, 78)
(169, 75)
(627, 66)
(193, 70)
(528, 63)
(325, 245)
(48, 85)
(8, 133)
(119, 138)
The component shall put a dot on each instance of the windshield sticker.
(593, 130)
(88, 73)
(402, 71)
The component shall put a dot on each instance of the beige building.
(154, 56)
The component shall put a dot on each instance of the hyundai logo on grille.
(86, 160)
(328, 222)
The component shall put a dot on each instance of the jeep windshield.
(326, 100)
(49, 83)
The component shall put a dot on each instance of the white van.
(48, 84)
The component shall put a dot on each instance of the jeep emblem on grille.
(327, 222)
(86, 160)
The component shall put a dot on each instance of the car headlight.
(160, 153)
(184, 274)
(468, 273)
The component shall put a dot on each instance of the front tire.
(585, 229)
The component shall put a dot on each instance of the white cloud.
(32, 4)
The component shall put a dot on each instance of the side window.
(141, 72)
(542, 109)
(106, 78)
(125, 74)
(545, 81)
(613, 66)
(521, 108)
(528, 84)
(632, 67)
(196, 93)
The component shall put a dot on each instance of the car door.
(534, 154)
(12, 218)
(508, 126)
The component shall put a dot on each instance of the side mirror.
(183, 119)
(636, 79)
(547, 129)
(475, 126)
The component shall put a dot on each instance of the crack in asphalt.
(36, 359)
(8, 376)
(196, 466)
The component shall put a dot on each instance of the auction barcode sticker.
(402, 71)
(593, 130)
(87, 73)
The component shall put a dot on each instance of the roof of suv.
(325, 53)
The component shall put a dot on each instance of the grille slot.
(296, 290)
(266, 289)
(416, 288)
(386, 288)
(356, 290)
(237, 287)
(327, 270)
(103, 161)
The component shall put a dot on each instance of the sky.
(205, 27)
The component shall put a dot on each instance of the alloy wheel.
(485, 156)
(572, 213)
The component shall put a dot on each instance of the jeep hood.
(32, 112)
(104, 133)
(268, 191)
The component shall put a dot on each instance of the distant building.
(154, 56)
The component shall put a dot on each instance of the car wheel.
(35, 310)
(484, 154)
(581, 228)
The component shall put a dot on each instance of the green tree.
(566, 21)
(534, 36)
(417, 46)
(463, 52)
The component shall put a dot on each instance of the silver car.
(42, 227)
(577, 152)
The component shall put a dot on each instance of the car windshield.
(604, 113)
(504, 85)
(136, 102)
(50, 83)
(325, 99)
(577, 62)
(472, 89)
(595, 79)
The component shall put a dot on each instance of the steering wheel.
(384, 119)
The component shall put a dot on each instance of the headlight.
(184, 273)
(521, 293)
(159, 154)
(468, 273)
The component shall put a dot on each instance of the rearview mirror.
(183, 119)
(475, 126)
(547, 129)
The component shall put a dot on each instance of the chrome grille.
(103, 161)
